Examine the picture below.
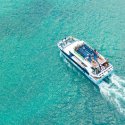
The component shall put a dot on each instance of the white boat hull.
(88, 76)
(66, 47)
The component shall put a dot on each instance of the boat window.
(98, 70)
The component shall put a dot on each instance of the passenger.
(93, 61)
(92, 55)
(90, 58)
(95, 52)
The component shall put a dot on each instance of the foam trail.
(114, 91)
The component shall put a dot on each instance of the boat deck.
(90, 55)
(87, 53)
(86, 59)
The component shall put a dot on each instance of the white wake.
(114, 91)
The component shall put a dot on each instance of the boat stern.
(105, 75)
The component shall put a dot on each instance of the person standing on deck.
(95, 52)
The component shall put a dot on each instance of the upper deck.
(92, 56)
(86, 57)
(82, 51)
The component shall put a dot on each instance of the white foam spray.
(114, 91)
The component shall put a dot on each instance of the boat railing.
(66, 41)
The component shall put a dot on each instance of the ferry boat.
(88, 60)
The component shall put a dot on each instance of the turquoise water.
(37, 87)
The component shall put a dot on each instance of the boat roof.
(85, 53)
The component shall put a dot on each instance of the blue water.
(37, 87)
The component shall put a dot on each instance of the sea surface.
(37, 86)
